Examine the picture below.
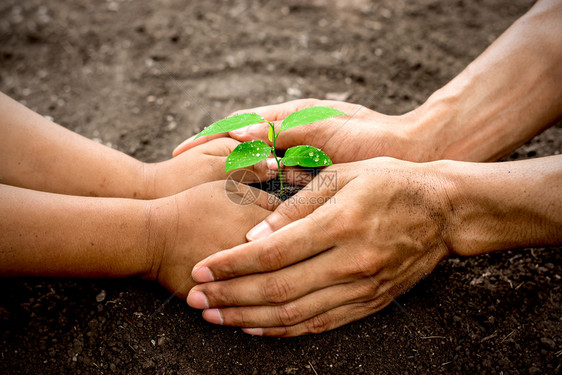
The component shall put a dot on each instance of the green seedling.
(250, 153)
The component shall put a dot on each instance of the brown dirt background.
(142, 76)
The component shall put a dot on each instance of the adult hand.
(198, 166)
(198, 222)
(356, 237)
(362, 134)
(507, 95)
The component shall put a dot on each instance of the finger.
(221, 148)
(275, 113)
(315, 134)
(373, 293)
(312, 196)
(191, 142)
(278, 112)
(293, 312)
(262, 172)
(320, 323)
(245, 195)
(328, 268)
(261, 289)
(377, 299)
(295, 242)
(292, 137)
(259, 172)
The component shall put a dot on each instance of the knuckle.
(271, 256)
(364, 264)
(367, 290)
(318, 324)
(359, 265)
(276, 290)
(288, 314)
(377, 304)
(219, 295)
(344, 225)
(367, 263)
(289, 211)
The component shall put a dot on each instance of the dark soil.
(142, 76)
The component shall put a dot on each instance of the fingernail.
(261, 230)
(202, 275)
(253, 331)
(213, 316)
(271, 164)
(197, 300)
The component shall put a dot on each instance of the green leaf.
(306, 156)
(231, 123)
(309, 115)
(246, 154)
(271, 134)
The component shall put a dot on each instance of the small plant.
(250, 153)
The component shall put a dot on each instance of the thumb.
(315, 194)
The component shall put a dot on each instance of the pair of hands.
(356, 237)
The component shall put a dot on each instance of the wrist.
(161, 216)
(163, 179)
(500, 206)
(423, 137)
(445, 126)
(472, 225)
(147, 173)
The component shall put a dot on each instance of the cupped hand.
(355, 238)
(198, 222)
(362, 134)
(198, 166)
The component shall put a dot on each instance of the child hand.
(198, 166)
(191, 225)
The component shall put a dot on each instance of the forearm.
(44, 234)
(499, 206)
(40, 155)
(506, 96)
